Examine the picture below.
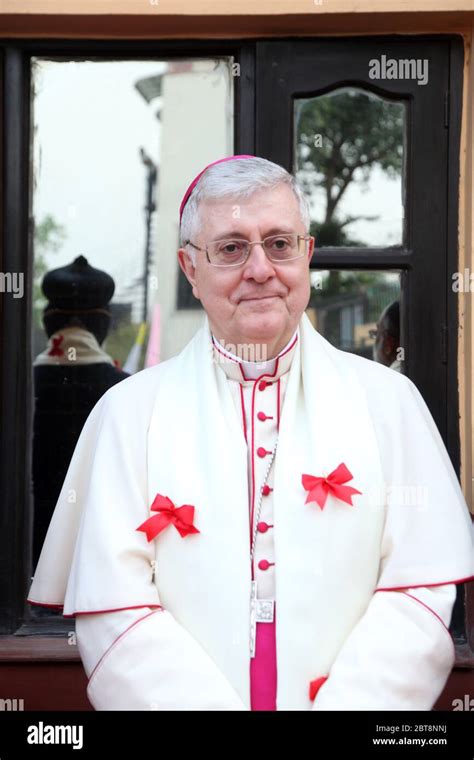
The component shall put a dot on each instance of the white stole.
(173, 429)
(326, 560)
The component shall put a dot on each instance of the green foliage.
(341, 137)
(332, 233)
(49, 237)
(358, 131)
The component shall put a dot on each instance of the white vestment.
(174, 429)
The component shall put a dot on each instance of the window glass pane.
(349, 155)
(114, 146)
(359, 311)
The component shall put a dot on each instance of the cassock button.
(262, 385)
(262, 416)
(262, 527)
(261, 452)
(264, 564)
(266, 489)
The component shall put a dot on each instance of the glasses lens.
(227, 252)
(282, 247)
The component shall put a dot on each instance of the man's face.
(259, 301)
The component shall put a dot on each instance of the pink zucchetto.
(196, 179)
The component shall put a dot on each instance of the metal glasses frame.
(249, 244)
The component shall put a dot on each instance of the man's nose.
(258, 265)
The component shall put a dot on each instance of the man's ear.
(186, 264)
(311, 247)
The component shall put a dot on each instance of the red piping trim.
(446, 629)
(236, 361)
(44, 604)
(253, 469)
(265, 374)
(269, 374)
(117, 609)
(430, 609)
(93, 612)
(440, 619)
(290, 347)
(223, 353)
(278, 404)
(420, 585)
(242, 404)
(114, 643)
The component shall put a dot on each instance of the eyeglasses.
(232, 252)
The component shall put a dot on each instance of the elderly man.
(234, 531)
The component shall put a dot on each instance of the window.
(364, 143)
(108, 141)
(76, 184)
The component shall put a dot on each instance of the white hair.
(236, 179)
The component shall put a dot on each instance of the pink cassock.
(263, 668)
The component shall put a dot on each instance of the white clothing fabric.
(337, 570)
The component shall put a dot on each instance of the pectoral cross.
(261, 611)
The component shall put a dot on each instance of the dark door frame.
(16, 387)
(288, 69)
(16, 254)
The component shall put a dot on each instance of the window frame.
(16, 256)
(283, 75)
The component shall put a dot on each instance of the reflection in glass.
(113, 150)
(349, 154)
(70, 376)
(359, 312)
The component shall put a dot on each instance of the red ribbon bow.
(55, 350)
(180, 517)
(315, 686)
(320, 487)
